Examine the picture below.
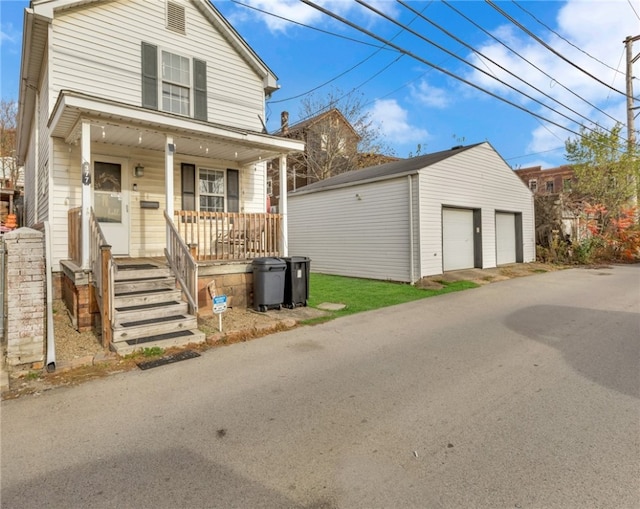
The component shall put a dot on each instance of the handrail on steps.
(103, 269)
(182, 264)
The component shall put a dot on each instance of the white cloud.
(8, 34)
(429, 95)
(301, 13)
(597, 28)
(394, 123)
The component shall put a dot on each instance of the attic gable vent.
(175, 17)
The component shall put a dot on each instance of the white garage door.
(457, 239)
(505, 238)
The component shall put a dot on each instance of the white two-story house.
(141, 133)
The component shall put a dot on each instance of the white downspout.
(51, 346)
(283, 205)
(85, 142)
(36, 160)
(411, 260)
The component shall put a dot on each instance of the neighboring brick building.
(550, 181)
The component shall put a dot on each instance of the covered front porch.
(150, 184)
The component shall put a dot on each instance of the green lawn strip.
(366, 294)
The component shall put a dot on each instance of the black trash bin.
(268, 283)
(296, 281)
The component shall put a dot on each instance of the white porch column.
(85, 171)
(282, 205)
(170, 149)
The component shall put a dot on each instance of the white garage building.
(418, 217)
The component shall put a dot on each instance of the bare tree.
(8, 121)
(338, 130)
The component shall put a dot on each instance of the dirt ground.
(80, 356)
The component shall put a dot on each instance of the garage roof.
(383, 171)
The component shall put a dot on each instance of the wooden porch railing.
(182, 264)
(102, 267)
(74, 220)
(228, 235)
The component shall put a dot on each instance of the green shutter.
(200, 89)
(149, 76)
(188, 180)
(233, 191)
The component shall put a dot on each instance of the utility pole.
(631, 133)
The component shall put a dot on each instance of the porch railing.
(102, 267)
(182, 264)
(228, 235)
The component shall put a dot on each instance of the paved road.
(523, 393)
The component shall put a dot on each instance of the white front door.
(457, 239)
(111, 203)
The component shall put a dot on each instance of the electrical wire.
(388, 18)
(633, 9)
(311, 115)
(565, 39)
(468, 46)
(431, 64)
(237, 2)
(555, 52)
(445, 2)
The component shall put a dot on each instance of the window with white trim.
(211, 188)
(533, 185)
(176, 83)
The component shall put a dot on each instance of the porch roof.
(123, 124)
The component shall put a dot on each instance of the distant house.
(557, 209)
(549, 181)
(139, 128)
(405, 220)
(331, 148)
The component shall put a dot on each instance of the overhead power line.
(431, 64)
(555, 52)
(389, 18)
(514, 75)
(575, 94)
(565, 39)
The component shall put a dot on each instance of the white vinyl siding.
(477, 178)
(100, 43)
(44, 157)
(359, 231)
(362, 230)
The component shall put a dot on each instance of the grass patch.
(154, 351)
(366, 294)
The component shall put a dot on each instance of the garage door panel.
(505, 238)
(457, 239)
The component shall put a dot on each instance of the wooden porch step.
(127, 314)
(129, 272)
(146, 297)
(152, 327)
(168, 340)
(144, 284)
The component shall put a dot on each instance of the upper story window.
(173, 83)
(176, 83)
(533, 185)
(549, 186)
(566, 185)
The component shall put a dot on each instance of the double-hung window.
(176, 83)
(211, 190)
(173, 83)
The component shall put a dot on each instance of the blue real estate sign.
(219, 304)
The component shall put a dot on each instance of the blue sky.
(415, 104)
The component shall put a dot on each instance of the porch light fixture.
(138, 171)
